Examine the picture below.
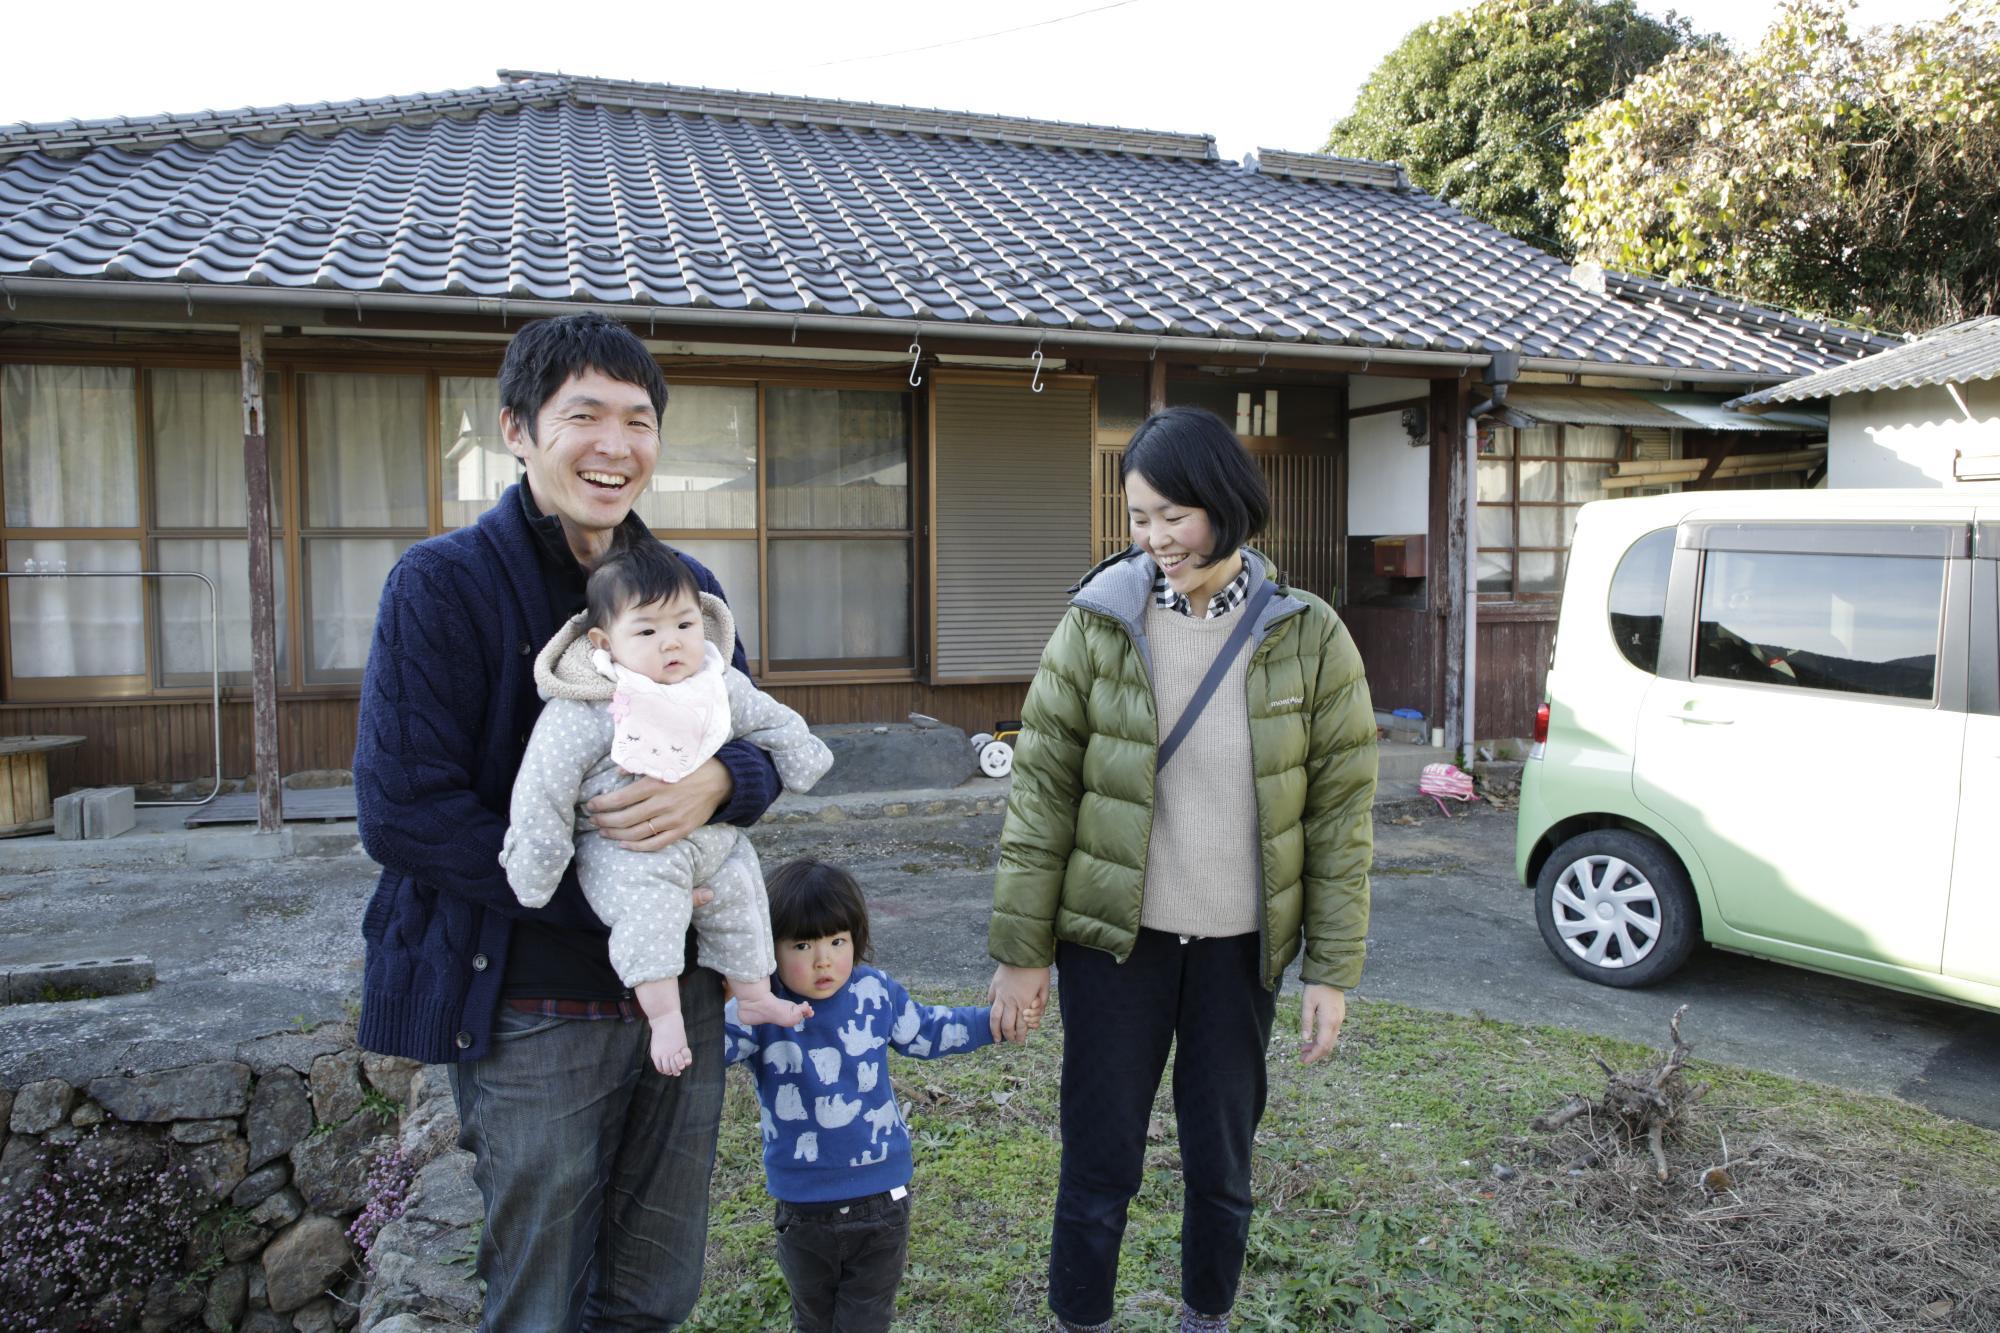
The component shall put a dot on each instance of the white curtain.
(477, 466)
(197, 419)
(347, 575)
(184, 610)
(72, 447)
(364, 451)
(840, 599)
(63, 627)
(734, 564)
(707, 474)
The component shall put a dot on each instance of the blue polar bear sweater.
(831, 1127)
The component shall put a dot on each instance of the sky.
(1252, 73)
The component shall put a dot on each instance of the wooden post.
(1450, 513)
(1156, 385)
(263, 596)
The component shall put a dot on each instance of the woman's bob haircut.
(1192, 458)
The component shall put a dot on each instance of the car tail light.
(1542, 725)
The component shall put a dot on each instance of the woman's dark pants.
(1204, 1000)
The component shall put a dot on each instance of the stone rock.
(336, 1087)
(418, 1262)
(280, 1115)
(304, 1260)
(226, 1295)
(410, 1323)
(40, 1106)
(63, 1134)
(295, 1051)
(869, 757)
(331, 1170)
(389, 1075)
(169, 1305)
(430, 1124)
(6, 1109)
(318, 779)
(280, 1210)
(242, 1243)
(194, 1092)
(347, 1298)
(222, 1165)
(22, 1168)
(115, 1309)
(87, 1115)
(193, 1131)
(256, 1293)
(265, 1321)
(120, 1150)
(261, 1184)
(315, 1316)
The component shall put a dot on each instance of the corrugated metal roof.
(1958, 354)
(1674, 411)
(555, 188)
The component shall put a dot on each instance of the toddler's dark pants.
(843, 1261)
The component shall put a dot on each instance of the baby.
(639, 683)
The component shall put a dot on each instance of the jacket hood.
(1122, 586)
(563, 669)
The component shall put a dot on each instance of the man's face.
(592, 453)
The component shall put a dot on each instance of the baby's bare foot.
(669, 1047)
(768, 1008)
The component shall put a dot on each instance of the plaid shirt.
(1231, 596)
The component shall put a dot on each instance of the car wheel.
(1616, 908)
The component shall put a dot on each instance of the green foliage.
(1851, 174)
(1478, 105)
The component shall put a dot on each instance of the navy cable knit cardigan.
(447, 703)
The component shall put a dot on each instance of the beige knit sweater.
(1201, 860)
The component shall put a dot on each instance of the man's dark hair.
(1191, 458)
(545, 354)
(812, 899)
(636, 574)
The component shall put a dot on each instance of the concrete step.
(1404, 762)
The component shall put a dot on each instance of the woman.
(1171, 841)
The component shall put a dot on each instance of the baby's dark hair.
(812, 899)
(636, 574)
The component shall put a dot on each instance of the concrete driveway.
(248, 948)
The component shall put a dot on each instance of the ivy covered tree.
(1478, 105)
(1854, 174)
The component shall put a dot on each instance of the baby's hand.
(669, 1047)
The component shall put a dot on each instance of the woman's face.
(1174, 534)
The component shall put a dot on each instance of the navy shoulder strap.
(1216, 671)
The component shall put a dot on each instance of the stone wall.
(281, 1140)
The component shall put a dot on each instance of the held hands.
(1321, 1013)
(1018, 996)
(647, 814)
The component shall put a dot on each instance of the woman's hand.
(1018, 996)
(1321, 1013)
(647, 814)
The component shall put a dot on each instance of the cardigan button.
(524, 648)
(463, 1041)
(479, 962)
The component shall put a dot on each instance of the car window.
(1859, 624)
(1639, 598)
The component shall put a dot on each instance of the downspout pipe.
(1505, 369)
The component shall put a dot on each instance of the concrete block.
(108, 812)
(27, 982)
(69, 813)
(893, 757)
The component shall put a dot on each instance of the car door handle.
(1696, 719)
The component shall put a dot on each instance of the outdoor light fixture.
(1417, 425)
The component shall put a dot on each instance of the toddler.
(836, 1152)
(639, 683)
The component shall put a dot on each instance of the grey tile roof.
(1957, 354)
(662, 198)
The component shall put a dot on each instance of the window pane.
(1591, 442)
(707, 473)
(832, 600)
(1496, 441)
(1538, 481)
(1496, 482)
(1541, 572)
(1496, 526)
(840, 459)
(345, 583)
(1535, 442)
(184, 617)
(197, 419)
(1584, 481)
(476, 464)
(75, 627)
(1496, 571)
(734, 564)
(70, 455)
(1638, 601)
(1538, 526)
(364, 451)
(1866, 624)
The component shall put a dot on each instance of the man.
(594, 1168)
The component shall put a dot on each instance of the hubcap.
(1607, 913)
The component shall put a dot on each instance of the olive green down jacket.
(1073, 850)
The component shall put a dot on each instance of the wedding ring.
(651, 832)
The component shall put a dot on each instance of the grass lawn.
(1400, 1186)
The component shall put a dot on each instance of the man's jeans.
(594, 1168)
(1206, 1000)
(843, 1265)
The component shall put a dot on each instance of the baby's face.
(659, 640)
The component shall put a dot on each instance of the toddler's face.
(659, 640)
(816, 968)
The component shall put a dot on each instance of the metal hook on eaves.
(1036, 383)
(916, 359)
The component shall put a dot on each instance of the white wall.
(1388, 478)
(1908, 437)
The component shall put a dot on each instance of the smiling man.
(594, 1168)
